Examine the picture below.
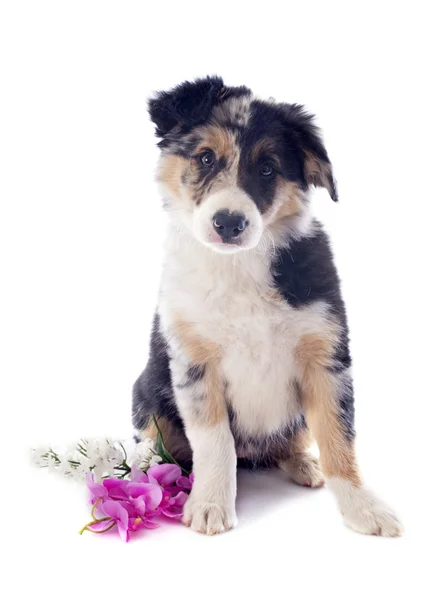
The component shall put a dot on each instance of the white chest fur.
(230, 301)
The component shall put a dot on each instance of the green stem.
(166, 455)
(124, 450)
(95, 520)
(54, 455)
(102, 530)
(94, 506)
(86, 528)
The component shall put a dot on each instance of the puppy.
(249, 352)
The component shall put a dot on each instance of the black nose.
(229, 225)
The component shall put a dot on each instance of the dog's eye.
(208, 159)
(266, 170)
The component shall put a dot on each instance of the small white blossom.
(64, 467)
(142, 454)
(81, 471)
(98, 470)
(38, 456)
(155, 460)
(113, 454)
(52, 463)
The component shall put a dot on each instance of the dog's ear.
(306, 135)
(187, 105)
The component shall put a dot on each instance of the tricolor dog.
(249, 356)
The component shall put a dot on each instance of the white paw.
(374, 520)
(208, 517)
(364, 512)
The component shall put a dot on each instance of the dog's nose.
(229, 225)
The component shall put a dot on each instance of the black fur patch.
(193, 374)
(153, 391)
(304, 272)
(305, 135)
(189, 104)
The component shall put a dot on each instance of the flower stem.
(94, 506)
(102, 530)
(124, 450)
(86, 528)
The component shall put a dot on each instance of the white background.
(81, 237)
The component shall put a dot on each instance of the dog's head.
(233, 166)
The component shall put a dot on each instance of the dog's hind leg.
(302, 466)
(173, 437)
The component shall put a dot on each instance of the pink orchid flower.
(119, 517)
(172, 506)
(185, 483)
(112, 488)
(165, 475)
(132, 505)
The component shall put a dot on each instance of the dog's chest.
(232, 303)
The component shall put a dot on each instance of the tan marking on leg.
(319, 392)
(215, 410)
(301, 441)
(199, 350)
(302, 467)
(204, 352)
(315, 350)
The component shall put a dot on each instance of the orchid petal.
(151, 493)
(116, 488)
(184, 482)
(165, 474)
(117, 511)
(138, 475)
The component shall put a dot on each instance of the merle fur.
(153, 391)
(303, 271)
(189, 104)
(178, 112)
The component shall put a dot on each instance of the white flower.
(99, 470)
(81, 471)
(142, 454)
(101, 456)
(64, 467)
(38, 456)
(72, 454)
(155, 460)
(92, 448)
(52, 463)
(113, 454)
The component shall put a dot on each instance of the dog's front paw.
(373, 518)
(365, 513)
(208, 517)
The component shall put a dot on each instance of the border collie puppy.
(249, 353)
